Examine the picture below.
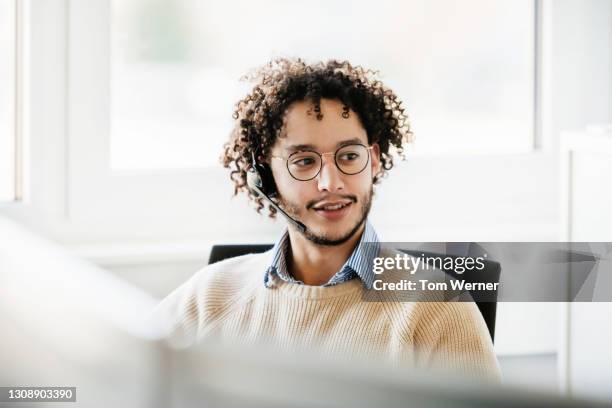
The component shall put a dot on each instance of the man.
(310, 141)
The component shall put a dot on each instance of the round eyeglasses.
(304, 165)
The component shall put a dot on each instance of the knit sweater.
(227, 301)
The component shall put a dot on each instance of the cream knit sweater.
(229, 302)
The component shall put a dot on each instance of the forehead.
(301, 126)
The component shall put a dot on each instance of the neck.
(315, 264)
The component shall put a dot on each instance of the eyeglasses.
(305, 165)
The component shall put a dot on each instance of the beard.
(324, 239)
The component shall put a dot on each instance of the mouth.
(333, 211)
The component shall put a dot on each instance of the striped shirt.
(358, 265)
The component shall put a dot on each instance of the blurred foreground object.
(215, 375)
(66, 322)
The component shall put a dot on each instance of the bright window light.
(465, 70)
(7, 100)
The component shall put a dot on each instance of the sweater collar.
(358, 265)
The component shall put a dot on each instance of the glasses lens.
(304, 165)
(352, 159)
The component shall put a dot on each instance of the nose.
(330, 177)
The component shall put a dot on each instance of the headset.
(261, 182)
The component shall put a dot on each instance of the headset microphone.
(254, 181)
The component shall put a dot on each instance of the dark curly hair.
(259, 116)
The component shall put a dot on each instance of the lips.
(332, 206)
(333, 211)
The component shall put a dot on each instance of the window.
(465, 70)
(7, 99)
(151, 86)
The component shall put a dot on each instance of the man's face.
(314, 202)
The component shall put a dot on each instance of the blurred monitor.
(212, 374)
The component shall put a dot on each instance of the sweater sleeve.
(195, 306)
(452, 336)
(176, 317)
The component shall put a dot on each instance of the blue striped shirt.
(358, 265)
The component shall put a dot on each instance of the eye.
(349, 156)
(303, 161)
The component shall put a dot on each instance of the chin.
(334, 229)
(334, 235)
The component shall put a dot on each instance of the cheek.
(287, 186)
(362, 182)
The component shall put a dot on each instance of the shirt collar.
(278, 265)
(362, 258)
(359, 263)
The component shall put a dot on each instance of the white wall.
(582, 63)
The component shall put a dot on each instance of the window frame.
(16, 105)
(86, 200)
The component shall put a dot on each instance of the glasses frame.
(334, 153)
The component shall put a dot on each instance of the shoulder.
(447, 336)
(452, 336)
(434, 311)
(439, 320)
(225, 279)
(445, 326)
(206, 295)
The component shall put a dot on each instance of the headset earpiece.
(263, 178)
(261, 182)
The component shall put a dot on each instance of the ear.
(375, 159)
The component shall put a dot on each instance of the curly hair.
(259, 116)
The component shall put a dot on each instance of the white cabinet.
(586, 161)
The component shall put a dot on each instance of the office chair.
(490, 274)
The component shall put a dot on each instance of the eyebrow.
(308, 146)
